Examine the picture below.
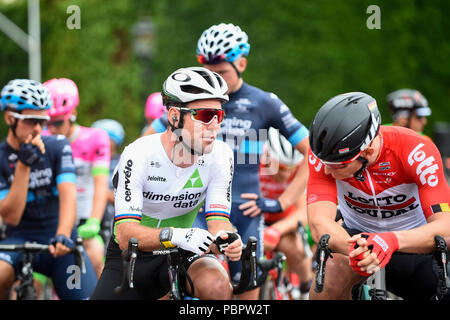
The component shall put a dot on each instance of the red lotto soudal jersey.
(402, 189)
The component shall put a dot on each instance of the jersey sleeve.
(63, 158)
(281, 118)
(218, 194)
(101, 153)
(321, 187)
(423, 162)
(128, 180)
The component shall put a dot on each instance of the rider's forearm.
(215, 226)
(100, 198)
(321, 221)
(67, 208)
(421, 239)
(296, 188)
(148, 238)
(287, 224)
(13, 205)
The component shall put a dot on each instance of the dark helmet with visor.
(344, 126)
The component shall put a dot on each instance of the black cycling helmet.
(344, 126)
(407, 100)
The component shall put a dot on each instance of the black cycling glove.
(269, 205)
(69, 243)
(29, 154)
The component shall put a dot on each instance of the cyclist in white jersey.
(161, 182)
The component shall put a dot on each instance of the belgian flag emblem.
(441, 207)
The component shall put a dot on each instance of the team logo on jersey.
(241, 105)
(284, 108)
(384, 165)
(127, 172)
(384, 206)
(156, 178)
(12, 157)
(155, 164)
(67, 148)
(426, 168)
(40, 178)
(194, 181)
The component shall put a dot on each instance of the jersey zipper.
(372, 189)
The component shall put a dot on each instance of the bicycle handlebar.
(441, 258)
(248, 259)
(33, 247)
(322, 255)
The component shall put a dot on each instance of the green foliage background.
(304, 51)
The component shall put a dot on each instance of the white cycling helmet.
(223, 42)
(20, 94)
(191, 84)
(281, 149)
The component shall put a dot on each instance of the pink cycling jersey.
(404, 187)
(91, 155)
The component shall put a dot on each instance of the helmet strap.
(179, 136)
(358, 174)
(235, 69)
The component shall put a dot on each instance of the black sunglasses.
(31, 120)
(55, 124)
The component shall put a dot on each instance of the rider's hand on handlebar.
(233, 250)
(60, 245)
(195, 240)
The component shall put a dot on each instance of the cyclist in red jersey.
(393, 196)
(279, 164)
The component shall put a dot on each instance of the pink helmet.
(64, 93)
(154, 107)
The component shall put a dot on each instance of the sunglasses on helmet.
(213, 60)
(30, 119)
(205, 115)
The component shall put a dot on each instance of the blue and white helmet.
(20, 94)
(113, 128)
(223, 42)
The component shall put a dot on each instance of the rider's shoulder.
(221, 148)
(54, 141)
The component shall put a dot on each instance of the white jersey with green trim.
(151, 190)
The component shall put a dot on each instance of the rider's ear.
(241, 64)
(8, 119)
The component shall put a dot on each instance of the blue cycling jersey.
(42, 208)
(249, 113)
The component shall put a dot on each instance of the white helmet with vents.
(20, 94)
(193, 83)
(223, 42)
(281, 149)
